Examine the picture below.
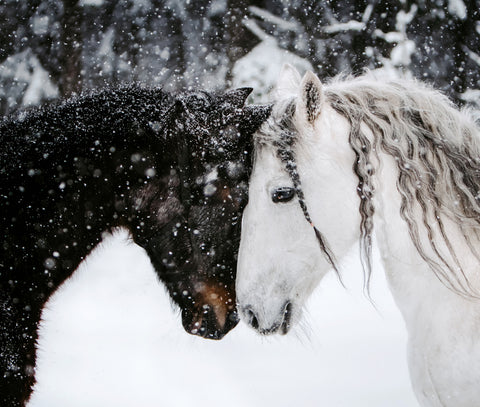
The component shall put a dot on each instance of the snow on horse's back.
(334, 164)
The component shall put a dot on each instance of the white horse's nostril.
(279, 324)
(252, 319)
(287, 316)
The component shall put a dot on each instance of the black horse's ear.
(237, 97)
(167, 124)
(177, 107)
(175, 111)
(254, 116)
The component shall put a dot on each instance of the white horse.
(336, 163)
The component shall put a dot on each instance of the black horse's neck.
(66, 176)
(172, 170)
(72, 178)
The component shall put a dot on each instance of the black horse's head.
(192, 215)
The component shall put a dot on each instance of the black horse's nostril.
(231, 321)
(205, 322)
(252, 319)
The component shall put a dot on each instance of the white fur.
(280, 259)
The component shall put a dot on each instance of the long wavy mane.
(437, 151)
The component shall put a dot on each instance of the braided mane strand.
(436, 148)
(437, 151)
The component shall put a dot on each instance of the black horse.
(171, 169)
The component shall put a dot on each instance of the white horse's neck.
(443, 326)
(409, 275)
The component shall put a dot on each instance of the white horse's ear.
(288, 74)
(311, 96)
(288, 82)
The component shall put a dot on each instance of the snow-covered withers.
(335, 164)
(172, 169)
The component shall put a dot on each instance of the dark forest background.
(56, 48)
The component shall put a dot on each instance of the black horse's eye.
(283, 194)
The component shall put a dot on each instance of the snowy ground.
(111, 338)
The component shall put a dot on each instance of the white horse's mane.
(437, 150)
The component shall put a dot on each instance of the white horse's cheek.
(276, 264)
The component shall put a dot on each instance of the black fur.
(130, 157)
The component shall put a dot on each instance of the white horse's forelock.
(437, 151)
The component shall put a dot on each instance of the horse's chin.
(206, 323)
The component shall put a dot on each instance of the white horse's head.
(303, 204)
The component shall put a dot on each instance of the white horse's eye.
(283, 194)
